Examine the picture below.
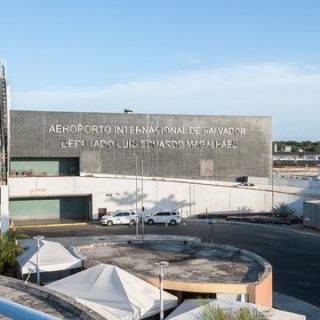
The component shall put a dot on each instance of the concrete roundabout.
(194, 267)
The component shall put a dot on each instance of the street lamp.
(38, 239)
(137, 216)
(161, 265)
(270, 156)
(210, 233)
(142, 207)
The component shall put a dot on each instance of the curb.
(304, 232)
(50, 225)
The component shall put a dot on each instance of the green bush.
(214, 312)
(9, 251)
(283, 210)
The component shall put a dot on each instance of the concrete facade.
(191, 197)
(174, 146)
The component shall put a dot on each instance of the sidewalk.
(298, 228)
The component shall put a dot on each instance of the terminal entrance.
(56, 209)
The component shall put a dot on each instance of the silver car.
(119, 217)
(167, 217)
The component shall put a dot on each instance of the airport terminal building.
(172, 146)
(79, 165)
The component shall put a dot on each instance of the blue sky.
(170, 56)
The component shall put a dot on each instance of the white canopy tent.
(52, 257)
(192, 310)
(114, 293)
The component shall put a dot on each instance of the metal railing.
(17, 311)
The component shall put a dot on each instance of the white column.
(4, 207)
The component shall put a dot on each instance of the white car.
(169, 217)
(119, 217)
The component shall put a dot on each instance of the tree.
(9, 251)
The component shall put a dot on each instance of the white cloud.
(288, 93)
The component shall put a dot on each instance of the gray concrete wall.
(177, 146)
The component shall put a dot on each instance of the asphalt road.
(295, 257)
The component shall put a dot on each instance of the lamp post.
(137, 216)
(272, 201)
(272, 189)
(38, 239)
(270, 156)
(161, 265)
(142, 207)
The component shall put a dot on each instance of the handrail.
(17, 311)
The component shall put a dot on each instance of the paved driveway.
(295, 257)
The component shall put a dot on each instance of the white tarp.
(52, 257)
(192, 310)
(114, 293)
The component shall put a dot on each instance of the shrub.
(9, 251)
(283, 210)
(215, 312)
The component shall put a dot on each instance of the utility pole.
(4, 148)
(161, 264)
(142, 207)
(137, 215)
(38, 239)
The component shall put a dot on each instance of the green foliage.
(21, 236)
(250, 314)
(282, 210)
(215, 312)
(306, 146)
(9, 251)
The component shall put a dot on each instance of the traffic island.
(194, 268)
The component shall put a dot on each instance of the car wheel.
(150, 221)
(132, 223)
(109, 223)
(173, 222)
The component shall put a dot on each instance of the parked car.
(119, 217)
(170, 217)
(247, 184)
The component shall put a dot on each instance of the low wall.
(258, 292)
(44, 294)
(191, 197)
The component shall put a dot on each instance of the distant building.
(287, 149)
(296, 158)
